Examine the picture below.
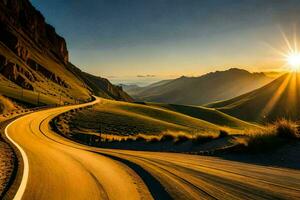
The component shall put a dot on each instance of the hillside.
(207, 114)
(278, 99)
(122, 118)
(34, 60)
(210, 87)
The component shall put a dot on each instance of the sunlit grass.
(272, 136)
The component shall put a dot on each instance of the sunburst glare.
(288, 52)
(293, 60)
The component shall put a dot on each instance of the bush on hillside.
(273, 136)
(140, 138)
(198, 139)
(181, 138)
(167, 138)
(287, 129)
(223, 134)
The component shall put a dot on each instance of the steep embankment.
(278, 99)
(35, 58)
(210, 87)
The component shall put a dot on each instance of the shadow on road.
(156, 189)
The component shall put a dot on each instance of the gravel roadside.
(8, 163)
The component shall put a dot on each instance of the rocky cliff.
(26, 20)
(33, 56)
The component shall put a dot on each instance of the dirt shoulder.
(8, 163)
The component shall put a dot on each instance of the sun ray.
(287, 42)
(295, 39)
(292, 95)
(272, 102)
(281, 53)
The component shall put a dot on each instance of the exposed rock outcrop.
(21, 76)
(24, 18)
(35, 57)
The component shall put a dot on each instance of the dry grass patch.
(272, 136)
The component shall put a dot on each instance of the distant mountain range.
(34, 57)
(214, 86)
(278, 99)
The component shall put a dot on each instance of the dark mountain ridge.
(200, 90)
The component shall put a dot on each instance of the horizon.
(148, 80)
(116, 39)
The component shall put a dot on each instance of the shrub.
(129, 139)
(181, 138)
(223, 134)
(140, 138)
(272, 136)
(262, 142)
(167, 138)
(154, 139)
(202, 138)
(287, 129)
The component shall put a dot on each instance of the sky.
(135, 41)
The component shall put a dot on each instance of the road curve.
(57, 171)
(63, 169)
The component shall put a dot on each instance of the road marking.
(21, 190)
(22, 187)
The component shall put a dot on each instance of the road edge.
(22, 187)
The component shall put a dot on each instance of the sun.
(293, 60)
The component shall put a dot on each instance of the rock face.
(33, 56)
(23, 28)
(22, 16)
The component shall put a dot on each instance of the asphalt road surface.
(57, 168)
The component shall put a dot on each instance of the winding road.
(57, 168)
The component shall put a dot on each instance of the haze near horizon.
(139, 41)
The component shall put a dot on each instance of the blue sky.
(121, 39)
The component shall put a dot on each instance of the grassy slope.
(277, 99)
(49, 91)
(207, 114)
(129, 118)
